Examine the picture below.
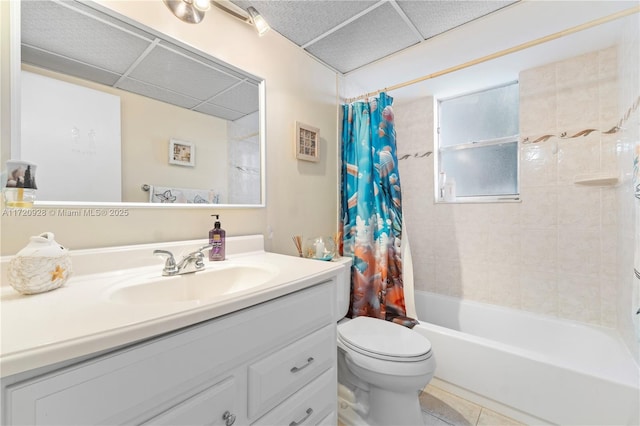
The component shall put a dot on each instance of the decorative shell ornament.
(43, 265)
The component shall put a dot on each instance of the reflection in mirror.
(113, 112)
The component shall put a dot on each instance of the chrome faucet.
(192, 262)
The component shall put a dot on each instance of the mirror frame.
(15, 68)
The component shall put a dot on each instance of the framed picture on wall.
(182, 153)
(307, 142)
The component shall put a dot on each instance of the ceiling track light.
(185, 10)
(250, 16)
(259, 22)
(192, 11)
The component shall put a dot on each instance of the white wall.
(301, 197)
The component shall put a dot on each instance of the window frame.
(509, 198)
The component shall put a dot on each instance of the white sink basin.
(198, 286)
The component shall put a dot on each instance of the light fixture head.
(258, 21)
(192, 11)
(186, 10)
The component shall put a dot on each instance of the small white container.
(43, 265)
(450, 190)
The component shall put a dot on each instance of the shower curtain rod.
(504, 52)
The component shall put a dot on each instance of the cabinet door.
(213, 406)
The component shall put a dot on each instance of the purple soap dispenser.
(217, 241)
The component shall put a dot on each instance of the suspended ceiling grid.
(348, 34)
(74, 39)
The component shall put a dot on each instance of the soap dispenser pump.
(217, 241)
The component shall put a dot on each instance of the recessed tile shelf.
(597, 179)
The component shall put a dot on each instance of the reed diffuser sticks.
(297, 240)
(337, 239)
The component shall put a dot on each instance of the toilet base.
(379, 399)
(387, 408)
(382, 408)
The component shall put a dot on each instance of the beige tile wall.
(553, 253)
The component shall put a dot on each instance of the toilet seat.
(383, 340)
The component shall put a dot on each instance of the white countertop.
(79, 319)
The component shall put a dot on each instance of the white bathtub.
(538, 367)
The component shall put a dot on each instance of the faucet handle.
(199, 255)
(170, 266)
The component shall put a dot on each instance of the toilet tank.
(343, 283)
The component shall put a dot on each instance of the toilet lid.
(383, 339)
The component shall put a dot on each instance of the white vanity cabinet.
(270, 364)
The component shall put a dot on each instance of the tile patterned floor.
(441, 408)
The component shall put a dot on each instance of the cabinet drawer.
(311, 405)
(213, 406)
(282, 373)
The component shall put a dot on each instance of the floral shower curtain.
(372, 210)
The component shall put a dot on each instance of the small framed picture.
(182, 153)
(307, 142)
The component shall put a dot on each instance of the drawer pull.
(228, 418)
(299, 422)
(296, 369)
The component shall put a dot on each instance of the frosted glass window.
(478, 142)
(480, 116)
(487, 170)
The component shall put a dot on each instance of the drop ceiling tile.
(435, 17)
(63, 65)
(303, 20)
(55, 27)
(161, 66)
(377, 34)
(214, 64)
(157, 93)
(243, 97)
(219, 111)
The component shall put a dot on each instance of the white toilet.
(382, 366)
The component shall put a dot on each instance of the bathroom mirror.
(115, 112)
